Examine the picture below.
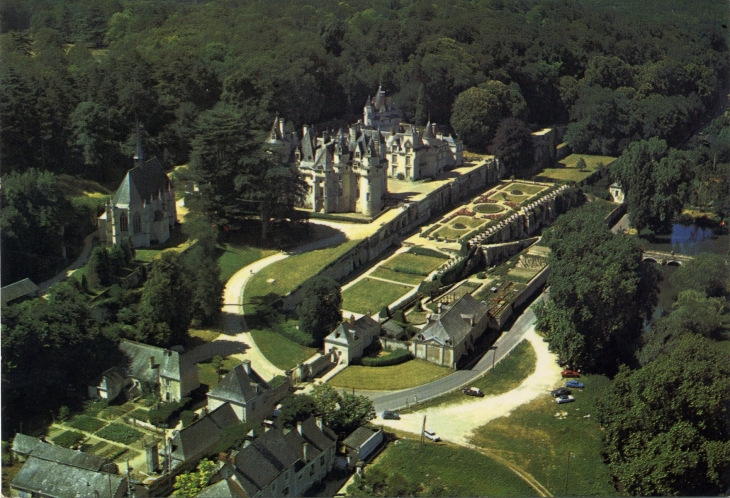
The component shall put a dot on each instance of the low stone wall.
(496, 253)
(388, 343)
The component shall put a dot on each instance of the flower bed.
(119, 433)
(489, 208)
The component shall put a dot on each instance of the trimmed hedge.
(295, 335)
(119, 433)
(87, 423)
(395, 357)
(425, 251)
(167, 411)
(188, 417)
(68, 439)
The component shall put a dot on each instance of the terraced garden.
(371, 295)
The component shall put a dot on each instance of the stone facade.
(350, 338)
(143, 208)
(347, 171)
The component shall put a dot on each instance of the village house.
(17, 291)
(52, 471)
(251, 398)
(148, 368)
(362, 443)
(351, 337)
(143, 208)
(451, 332)
(277, 464)
(187, 446)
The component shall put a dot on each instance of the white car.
(432, 436)
(565, 398)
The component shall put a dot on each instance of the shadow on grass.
(223, 348)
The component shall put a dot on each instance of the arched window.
(136, 223)
(123, 222)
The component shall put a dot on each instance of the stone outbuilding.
(350, 338)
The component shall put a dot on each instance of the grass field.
(233, 258)
(551, 448)
(467, 221)
(291, 272)
(414, 263)
(450, 233)
(208, 375)
(569, 172)
(370, 295)
(409, 374)
(397, 276)
(279, 350)
(525, 188)
(447, 470)
(507, 375)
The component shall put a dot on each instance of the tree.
(327, 400)
(655, 179)
(99, 268)
(190, 484)
(217, 363)
(599, 290)
(707, 273)
(297, 408)
(343, 413)
(513, 145)
(165, 308)
(321, 309)
(665, 432)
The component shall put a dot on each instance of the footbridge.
(665, 258)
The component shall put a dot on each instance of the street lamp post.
(494, 355)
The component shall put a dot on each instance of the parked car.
(561, 391)
(432, 436)
(574, 383)
(388, 415)
(473, 391)
(564, 399)
(569, 373)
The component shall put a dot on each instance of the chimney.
(222, 457)
(305, 451)
(152, 362)
(352, 319)
(281, 127)
(440, 307)
(299, 428)
(247, 366)
(320, 424)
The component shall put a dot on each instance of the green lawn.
(526, 188)
(550, 447)
(232, 258)
(489, 208)
(450, 233)
(507, 375)
(279, 350)
(568, 171)
(467, 221)
(371, 295)
(414, 263)
(447, 470)
(506, 196)
(291, 272)
(406, 278)
(208, 375)
(409, 374)
(177, 242)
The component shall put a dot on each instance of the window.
(394, 159)
(367, 196)
(408, 172)
(392, 171)
(136, 223)
(408, 160)
(123, 223)
(253, 406)
(285, 491)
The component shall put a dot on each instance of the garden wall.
(388, 343)
(495, 253)
(411, 216)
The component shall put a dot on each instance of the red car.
(569, 373)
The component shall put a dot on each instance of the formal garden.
(575, 168)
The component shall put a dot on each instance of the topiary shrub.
(459, 226)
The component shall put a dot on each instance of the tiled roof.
(57, 480)
(18, 289)
(167, 362)
(453, 324)
(237, 387)
(141, 183)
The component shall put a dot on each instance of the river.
(690, 240)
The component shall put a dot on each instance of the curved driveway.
(396, 400)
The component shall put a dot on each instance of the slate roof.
(348, 332)
(392, 329)
(23, 445)
(54, 479)
(198, 438)
(227, 488)
(142, 183)
(111, 379)
(272, 453)
(18, 289)
(167, 362)
(238, 387)
(359, 437)
(452, 326)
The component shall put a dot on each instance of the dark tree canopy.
(513, 145)
(321, 308)
(707, 273)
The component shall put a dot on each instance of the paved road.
(396, 400)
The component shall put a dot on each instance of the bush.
(162, 416)
(395, 357)
(424, 251)
(93, 407)
(459, 226)
(400, 176)
(119, 433)
(86, 423)
(289, 330)
(188, 417)
(481, 275)
(398, 316)
(68, 439)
